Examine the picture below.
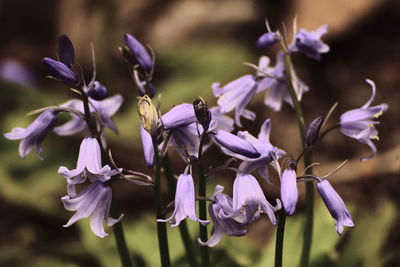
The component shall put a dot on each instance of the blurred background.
(197, 43)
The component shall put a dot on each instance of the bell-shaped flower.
(94, 202)
(34, 134)
(289, 192)
(237, 95)
(275, 84)
(268, 39)
(335, 205)
(360, 124)
(106, 109)
(231, 143)
(179, 116)
(185, 204)
(148, 149)
(139, 52)
(218, 209)
(310, 43)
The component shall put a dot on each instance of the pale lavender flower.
(93, 201)
(268, 39)
(289, 192)
(106, 108)
(335, 205)
(34, 134)
(237, 95)
(185, 204)
(218, 209)
(275, 84)
(232, 143)
(360, 124)
(13, 71)
(139, 52)
(310, 43)
(179, 116)
(147, 144)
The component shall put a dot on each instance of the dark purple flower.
(218, 210)
(289, 192)
(139, 52)
(185, 204)
(93, 201)
(312, 131)
(97, 91)
(335, 205)
(236, 144)
(268, 39)
(60, 71)
(148, 150)
(360, 124)
(65, 51)
(179, 116)
(34, 134)
(310, 43)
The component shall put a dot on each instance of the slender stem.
(205, 256)
(161, 227)
(279, 238)
(187, 242)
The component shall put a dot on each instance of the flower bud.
(60, 71)
(97, 91)
(148, 115)
(202, 112)
(267, 40)
(138, 52)
(66, 50)
(312, 131)
(236, 144)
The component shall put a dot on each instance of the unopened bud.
(66, 50)
(312, 131)
(97, 91)
(202, 112)
(148, 115)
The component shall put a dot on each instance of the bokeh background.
(198, 43)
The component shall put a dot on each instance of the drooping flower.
(139, 52)
(268, 39)
(148, 150)
(237, 95)
(106, 108)
(93, 201)
(335, 205)
(232, 143)
(185, 205)
(218, 209)
(310, 43)
(179, 116)
(289, 192)
(360, 124)
(34, 134)
(275, 84)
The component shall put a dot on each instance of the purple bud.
(312, 131)
(139, 52)
(236, 144)
(65, 50)
(179, 116)
(267, 40)
(289, 192)
(97, 91)
(60, 71)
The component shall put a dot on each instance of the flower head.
(34, 134)
(310, 43)
(335, 205)
(289, 192)
(360, 124)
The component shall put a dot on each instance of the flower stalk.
(279, 238)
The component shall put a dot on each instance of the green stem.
(187, 242)
(307, 238)
(161, 227)
(204, 252)
(279, 238)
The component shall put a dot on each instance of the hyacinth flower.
(147, 144)
(106, 109)
(34, 134)
(89, 165)
(231, 143)
(360, 124)
(268, 39)
(94, 202)
(335, 205)
(289, 191)
(275, 85)
(185, 204)
(222, 205)
(237, 95)
(139, 53)
(310, 43)
(179, 116)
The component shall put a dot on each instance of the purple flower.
(148, 150)
(184, 202)
(179, 116)
(97, 91)
(360, 124)
(106, 109)
(249, 199)
(34, 134)
(235, 144)
(218, 210)
(312, 131)
(66, 51)
(13, 71)
(93, 201)
(237, 95)
(335, 205)
(138, 52)
(276, 87)
(289, 192)
(310, 43)
(60, 71)
(268, 39)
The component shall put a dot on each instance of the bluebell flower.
(34, 134)
(179, 116)
(276, 88)
(147, 144)
(185, 204)
(360, 124)
(93, 201)
(268, 39)
(249, 199)
(218, 209)
(97, 91)
(335, 205)
(106, 108)
(237, 95)
(232, 143)
(60, 71)
(66, 52)
(289, 191)
(139, 52)
(310, 43)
